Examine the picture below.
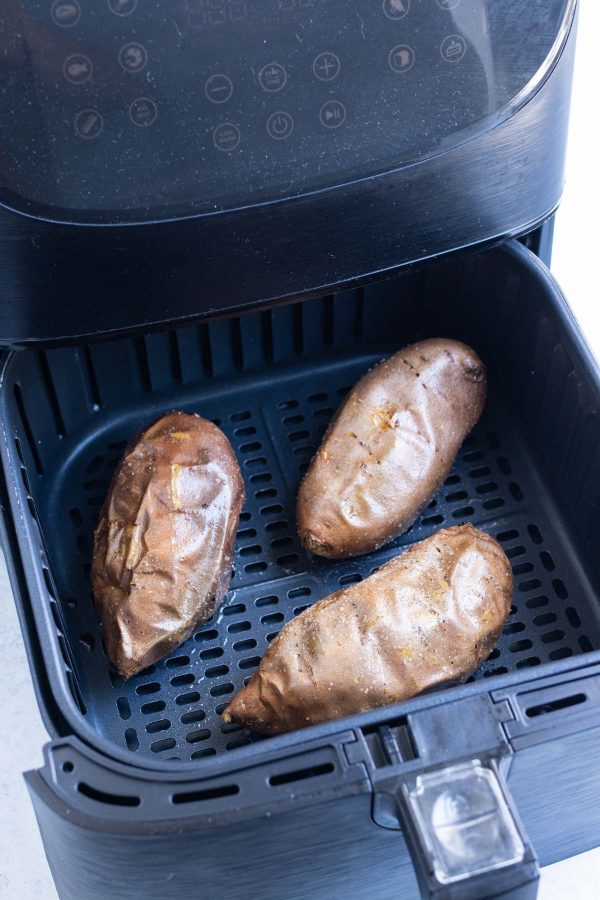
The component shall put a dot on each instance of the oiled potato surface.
(390, 447)
(163, 548)
(430, 615)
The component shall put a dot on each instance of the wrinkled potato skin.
(164, 544)
(430, 615)
(389, 448)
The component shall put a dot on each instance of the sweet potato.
(389, 448)
(430, 615)
(163, 547)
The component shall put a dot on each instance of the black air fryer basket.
(272, 381)
(120, 306)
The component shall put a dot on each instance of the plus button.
(326, 66)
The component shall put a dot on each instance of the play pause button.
(333, 114)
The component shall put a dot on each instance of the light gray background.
(24, 873)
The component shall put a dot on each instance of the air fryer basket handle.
(464, 836)
(438, 775)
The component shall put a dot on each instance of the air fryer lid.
(123, 110)
(247, 152)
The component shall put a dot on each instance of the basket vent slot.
(46, 374)
(554, 705)
(91, 377)
(301, 774)
(104, 797)
(225, 790)
(28, 433)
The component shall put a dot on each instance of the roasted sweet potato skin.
(163, 548)
(389, 448)
(431, 615)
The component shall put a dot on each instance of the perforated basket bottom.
(172, 709)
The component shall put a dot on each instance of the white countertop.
(24, 872)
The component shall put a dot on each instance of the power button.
(280, 125)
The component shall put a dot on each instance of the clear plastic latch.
(464, 833)
(464, 821)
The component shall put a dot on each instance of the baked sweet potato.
(430, 615)
(389, 448)
(163, 547)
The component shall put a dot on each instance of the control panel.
(136, 109)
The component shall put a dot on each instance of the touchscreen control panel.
(170, 107)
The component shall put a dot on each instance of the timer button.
(272, 77)
(218, 88)
(396, 9)
(332, 114)
(280, 125)
(226, 137)
(326, 66)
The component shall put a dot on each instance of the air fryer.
(237, 208)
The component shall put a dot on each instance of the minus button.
(218, 88)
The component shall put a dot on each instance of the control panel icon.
(143, 112)
(453, 48)
(65, 13)
(326, 66)
(226, 137)
(77, 68)
(396, 9)
(218, 88)
(332, 114)
(122, 7)
(272, 77)
(88, 124)
(133, 57)
(401, 58)
(280, 125)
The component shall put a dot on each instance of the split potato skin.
(163, 548)
(431, 615)
(389, 448)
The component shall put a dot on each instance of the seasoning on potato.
(163, 548)
(389, 448)
(430, 615)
